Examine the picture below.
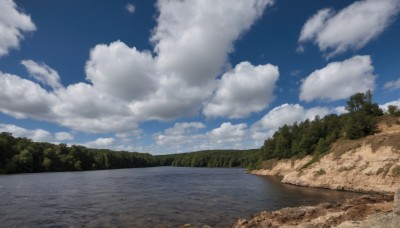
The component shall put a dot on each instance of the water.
(146, 197)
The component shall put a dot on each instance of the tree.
(393, 110)
(363, 102)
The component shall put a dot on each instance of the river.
(146, 197)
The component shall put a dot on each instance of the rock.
(206, 226)
(350, 213)
(396, 208)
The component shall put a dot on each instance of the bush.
(393, 110)
(320, 172)
(396, 171)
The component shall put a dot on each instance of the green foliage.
(396, 171)
(320, 172)
(315, 137)
(303, 139)
(361, 121)
(21, 155)
(393, 110)
(213, 158)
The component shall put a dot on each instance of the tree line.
(315, 137)
(212, 158)
(21, 155)
(310, 137)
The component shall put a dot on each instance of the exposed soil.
(322, 215)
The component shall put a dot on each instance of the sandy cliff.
(371, 164)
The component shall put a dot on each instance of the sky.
(173, 76)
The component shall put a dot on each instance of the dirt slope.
(371, 164)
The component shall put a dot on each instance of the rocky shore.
(369, 165)
(365, 211)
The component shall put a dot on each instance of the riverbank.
(365, 211)
(367, 165)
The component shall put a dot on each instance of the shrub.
(319, 172)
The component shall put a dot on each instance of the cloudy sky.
(172, 76)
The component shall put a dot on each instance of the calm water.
(146, 197)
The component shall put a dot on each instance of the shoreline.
(362, 211)
(370, 166)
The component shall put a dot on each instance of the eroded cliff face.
(371, 164)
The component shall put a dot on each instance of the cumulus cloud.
(384, 107)
(130, 8)
(228, 131)
(120, 71)
(42, 73)
(13, 24)
(37, 135)
(101, 143)
(178, 134)
(284, 114)
(192, 39)
(392, 84)
(127, 86)
(339, 80)
(244, 90)
(22, 98)
(63, 136)
(351, 28)
(185, 137)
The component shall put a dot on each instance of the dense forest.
(212, 158)
(18, 155)
(315, 137)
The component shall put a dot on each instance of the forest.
(310, 137)
(21, 155)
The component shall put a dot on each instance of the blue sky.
(175, 76)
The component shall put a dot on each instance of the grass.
(344, 145)
(342, 169)
(384, 170)
(269, 164)
(320, 172)
(312, 161)
(396, 171)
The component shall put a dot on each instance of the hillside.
(369, 164)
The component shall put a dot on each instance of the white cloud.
(229, 132)
(339, 80)
(184, 128)
(42, 73)
(392, 84)
(284, 114)
(121, 71)
(312, 27)
(130, 8)
(101, 143)
(226, 136)
(192, 38)
(244, 90)
(178, 133)
(12, 24)
(63, 136)
(384, 107)
(128, 86)
(23, 98)
(37, 135)
(351, 28)
(340, 110)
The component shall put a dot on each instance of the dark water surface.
(146, 197)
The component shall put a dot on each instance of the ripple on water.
(145, 197)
